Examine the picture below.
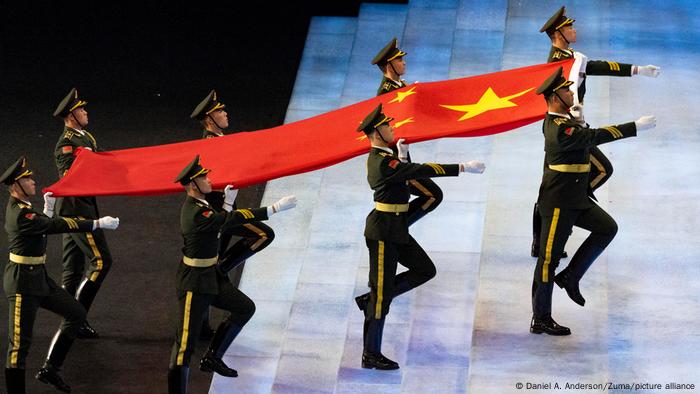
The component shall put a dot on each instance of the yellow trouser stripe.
(16, 331)
(426, 192)
(380, 281)
(550, 242)
(185, 329)
(601, 170)
(98, 257)
(577, 168)
(261, 234)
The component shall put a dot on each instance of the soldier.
(26, 283)
(390, 61)
(386, 231)
(392, 65)
(200, 280)
(254, 236)
(562, 33)
(564, 200)
(78, 246)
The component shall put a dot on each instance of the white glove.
(229, 197)
(645, 122)
(578, 55)
(577, 112)
(106, 222)
(648, 71)
(283, 204)
(402, 147)
(49, 204)
(473, 166)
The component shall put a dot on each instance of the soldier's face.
(569, 32)
(399, 65)
(81, 116)
(567, 95)
(220, 117)
(387, 132)
(28, 185)
(203, 183)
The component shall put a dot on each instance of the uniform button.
(31, 268)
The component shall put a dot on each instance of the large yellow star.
(403, 122)
(402, 95)
(488, 101)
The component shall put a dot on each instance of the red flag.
(467, 107)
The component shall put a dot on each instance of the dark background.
(142, 67)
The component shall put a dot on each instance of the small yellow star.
(402, 95)
(488, 102)
(403, 122)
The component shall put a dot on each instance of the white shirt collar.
(205, 202)
(384, 148)
(558, 114)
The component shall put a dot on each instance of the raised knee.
(249, 309)
(612, 231)
(430, 272)
(437, 195)
(270, 235)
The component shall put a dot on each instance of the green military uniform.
(429, 195)
(564, 202)
(255, 236)
(388, 84)
(26, 283)
(601, 167)
(387, 236)
(201, 282)
(79, 246)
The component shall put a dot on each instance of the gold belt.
(571, 167)
(394, 208)
(201, 263)
(31, 260)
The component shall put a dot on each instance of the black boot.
(86, 331)
(49, 375)
(58, 350)
(224, 336)
(211, 363)
(86, 295)
(565, 281)
(570, 277)
(362, 301)
(14, 380)
(548, 326)
(177, 379)
(378, 361)
(372, 357)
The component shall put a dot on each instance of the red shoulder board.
(569, 131)
(30, 216)
(206, 214)
(67, 149)
(393, 163)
